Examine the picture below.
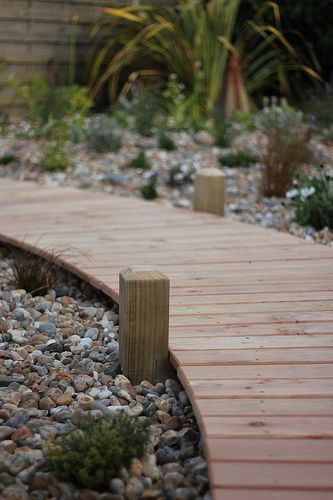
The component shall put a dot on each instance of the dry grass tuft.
(35, 273)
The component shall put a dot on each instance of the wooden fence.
(36, 37)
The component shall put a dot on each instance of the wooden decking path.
(251, 325)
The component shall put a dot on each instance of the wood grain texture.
(144, 323)
(251, 325)
(209, 191)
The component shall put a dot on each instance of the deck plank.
(251, 325)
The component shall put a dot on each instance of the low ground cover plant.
(50, 107)
(285, 145)
(140, 161)
(166, 142)
(8, 157)
(101, 135)
(149, 189)
(34, 273)
(180, 175)
(91, 455)
(54, 157)
(223, 132)
(238, 159)
(313, 200)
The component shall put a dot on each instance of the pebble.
(48, 327)
(60, 370)
(134, 488)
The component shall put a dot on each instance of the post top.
(210, 172)
(142, 272)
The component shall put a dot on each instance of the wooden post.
(209, 187)
(144, 323)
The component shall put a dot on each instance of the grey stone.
(92, 333)
(169, 438)
(134, 488)
(19, 419)
(166, 454)
(5, 432)
(48, 327)
(184, 494)
(173, 480)
(117, 486)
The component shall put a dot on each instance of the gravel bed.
(110, 173)
(59, 366)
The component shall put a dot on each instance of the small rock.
(82, 382)
(18, 337)
(117, 486)
(21, 433)
(92, 333)
(136, 467)
(149, 467)
(5, 432)
(204, 138)
(86, 402)
(166, 454)
(134, 488)
(184, 494)
(173, 480)
(48, 327)
(8, 445)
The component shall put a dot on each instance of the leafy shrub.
(166, 142)
(34, 273)
(50, 107)
(101, 135)
(8, 157)
(238, 159)
(313, 200)
(149, 190)
(92, 455)
(223, 132)
(54, 157)
(184, 109)
(285, 145)
(140, 161)
(180, 174)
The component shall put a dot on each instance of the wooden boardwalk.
(251, 326)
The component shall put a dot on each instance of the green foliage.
(313, 200)
(101, 135)
(238, 159)
(149, 190)
(89, 457)
(54, 157)
(184, 109)
(312, 18)
(34, 273)
(285, 145)
(180, 175)
(50, 108)
(166, 142)
(244, 120)
(140, 161)
(181, 40)
(140, 106)
(189, 44)
(8, 157)
(4, 122)
(223, 132)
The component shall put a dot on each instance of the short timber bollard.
(144, 323)
(209, 187)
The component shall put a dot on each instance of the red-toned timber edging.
(251, 325)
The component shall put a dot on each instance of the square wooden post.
(144, 323)
(209, 191)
